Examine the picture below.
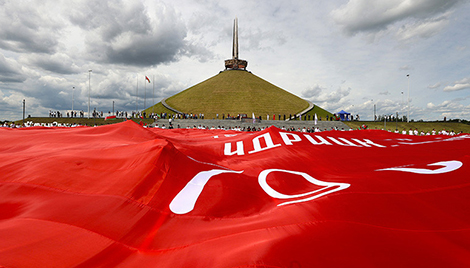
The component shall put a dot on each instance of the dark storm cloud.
(198, 51)
(129, 34)
(10, 71)
(54, 99)
(57, 63)
(23, 29)
(312, 92)
(111, 18)
(146, 51)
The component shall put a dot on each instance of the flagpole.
(145, 92)
(153, 93)
(89, 89)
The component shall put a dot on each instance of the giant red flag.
(126, 196)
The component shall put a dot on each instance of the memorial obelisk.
(235, 63)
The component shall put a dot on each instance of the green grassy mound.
(236, 92)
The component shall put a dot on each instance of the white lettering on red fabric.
(314, 142)
(185, 200)
(267, 139)
(330, 186)
(367, 143)
(449, 166)
(238, 151)
(291, 138)
(344, 142)
(287, 141)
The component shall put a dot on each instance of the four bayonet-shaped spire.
(235, 63)
(235, 39)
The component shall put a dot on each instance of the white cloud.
(406, 68)
(459, 85)
(384, 93)
(423, 28)
(450, 109)
(423, 18)
(463, 81)
(430, 105)
(437, 85)
(330, 100)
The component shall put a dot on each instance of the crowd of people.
(170, 125)
(71, 114)
(32, 124)
(246, 128)
(143, 114)
(415, 132)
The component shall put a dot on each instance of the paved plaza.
(228, 123)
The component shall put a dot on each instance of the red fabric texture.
(120, 196)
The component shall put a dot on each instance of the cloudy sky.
(339, 54)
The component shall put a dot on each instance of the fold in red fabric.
(126, 196)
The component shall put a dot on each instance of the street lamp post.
(402, 103)
(408, 116)
(375, 109)
(396, 125)
(73, 90)
(24, 104)
(402, 106)
(89, 88)
(373, 115)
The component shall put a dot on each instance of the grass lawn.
(424, 126)
(158, 109)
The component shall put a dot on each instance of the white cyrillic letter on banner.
(332, 186)
(238, 151)
(314, 142)
(287, 141)
(367, 143)
(185, 200)
(257, 145)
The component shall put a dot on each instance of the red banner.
(126, 196)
